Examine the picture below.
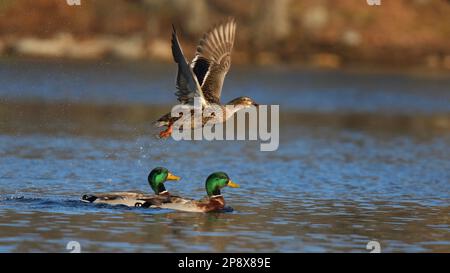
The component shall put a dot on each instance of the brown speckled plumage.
(207, 204)
(203, 77)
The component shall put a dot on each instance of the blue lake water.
(362, 156)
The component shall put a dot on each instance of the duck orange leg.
(166, 133)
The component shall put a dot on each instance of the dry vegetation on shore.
(314, 32)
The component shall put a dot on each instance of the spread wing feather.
(187, 83)
(213, 59)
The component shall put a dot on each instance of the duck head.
(217, 181)
(158, 176)
(243, 102)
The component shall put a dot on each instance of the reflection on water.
(343, 175)
(304, 225)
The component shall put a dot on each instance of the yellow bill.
(232, 184)
(173, 177)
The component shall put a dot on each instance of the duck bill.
(232, 184)
(172, 177)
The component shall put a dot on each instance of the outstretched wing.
(213, 59)
(187, 83)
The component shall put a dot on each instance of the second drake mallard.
(214, 201)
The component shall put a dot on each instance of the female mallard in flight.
(203, 78)
(156, 179)
(213, 202)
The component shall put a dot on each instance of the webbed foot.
(166, 133)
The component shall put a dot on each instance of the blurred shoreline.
(66, 46)
(323, 34)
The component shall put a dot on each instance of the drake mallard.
(213, 202)
(156, 179)
(203, 77)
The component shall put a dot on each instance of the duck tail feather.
(88, 198)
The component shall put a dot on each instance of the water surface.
(363, 156)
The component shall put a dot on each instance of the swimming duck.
(213, 202)
(156, 179)
(203, 78)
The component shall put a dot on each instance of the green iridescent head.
(158, 176)
(216, 181)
